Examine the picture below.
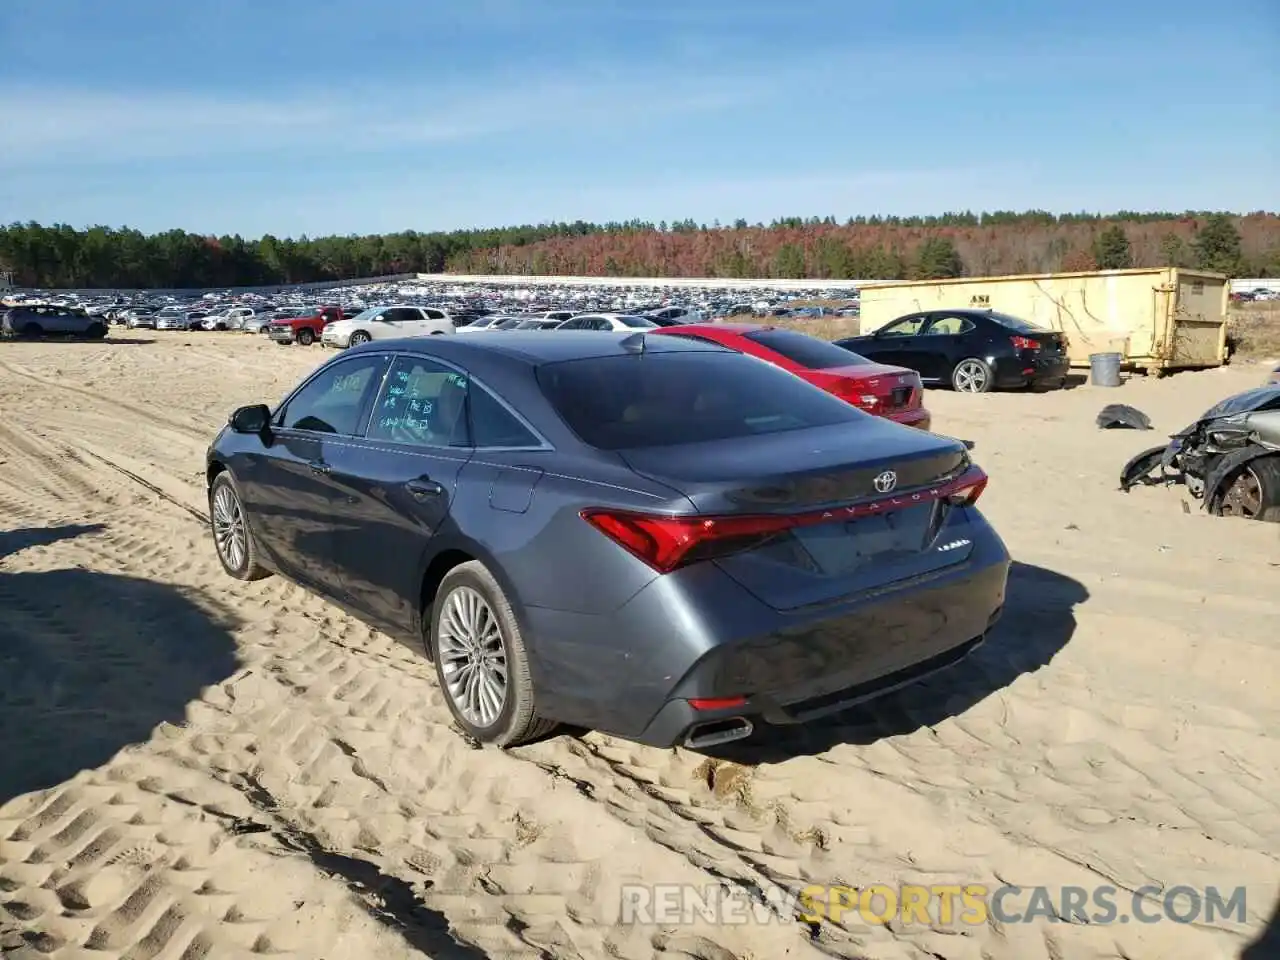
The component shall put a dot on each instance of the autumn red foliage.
(868, 250)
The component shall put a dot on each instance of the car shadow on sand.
(1267, 946)
(91, 662)
(1038, 621)
(117, 341)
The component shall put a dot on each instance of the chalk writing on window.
(351, 383)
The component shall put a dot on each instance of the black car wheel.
(237, 552)
(481, 661)
(359, 337)
(305, 337)
(1254, 492)
(33, 330)
(96, 331)
(972, 376)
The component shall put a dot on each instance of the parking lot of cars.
(696, 528)
(464, 303)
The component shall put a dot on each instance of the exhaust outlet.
(715, 732)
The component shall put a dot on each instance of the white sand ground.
(192, 767)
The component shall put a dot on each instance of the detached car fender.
(1138, 469)
(1226, 467)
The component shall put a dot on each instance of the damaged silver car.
(1229, 459)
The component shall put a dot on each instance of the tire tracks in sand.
(333, 733)
(323, 761)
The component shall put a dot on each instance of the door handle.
(423, 488)
(318, 466)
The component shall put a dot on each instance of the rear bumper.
(919, 418)
(698, 634)
(1033, 370)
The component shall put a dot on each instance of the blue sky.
(335, 116)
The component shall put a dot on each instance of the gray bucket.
(1104, 369)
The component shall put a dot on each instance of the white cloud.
(91, 127)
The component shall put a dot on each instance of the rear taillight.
(1025, 343)
(667, 542)
(968, 495)
(850, 391)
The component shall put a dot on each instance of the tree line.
(879, 248)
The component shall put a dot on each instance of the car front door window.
(333, 402)
(906, 327)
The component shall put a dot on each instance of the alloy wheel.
(1244, 496)
(473, 657)
(228, 527)
(970, 377)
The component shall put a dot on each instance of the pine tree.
(1217, 246)
(1111, 249)
(937, 259)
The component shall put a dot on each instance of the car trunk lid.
(862, 506)
(874, 387)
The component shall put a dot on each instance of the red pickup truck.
(304, 330)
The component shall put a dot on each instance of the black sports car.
(972, 350)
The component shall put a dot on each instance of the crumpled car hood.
(1259, 398)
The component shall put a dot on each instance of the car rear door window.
(493, 425)
(667, 399)
(422, 403)
(949, 325)
(333, 401)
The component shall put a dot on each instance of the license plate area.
(885, 538)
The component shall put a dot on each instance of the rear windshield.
(637, 321)
(1016, 323)
(809, 352)
(668, 399)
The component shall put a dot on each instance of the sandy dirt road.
(193, 767)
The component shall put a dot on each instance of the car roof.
(535, 348)
(721, 327)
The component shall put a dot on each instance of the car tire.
(32, 330)
(470, 596)
(1262, 477)
(226, 517)
(358, 338)
(305, 337)
(972, 375)
(96, 331)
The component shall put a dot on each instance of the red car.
(892, 392)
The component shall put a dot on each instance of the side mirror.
(251, 419)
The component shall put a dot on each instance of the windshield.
(367, 314)
(1015, 323)
(807, 351)
(631, 321)
(668, 399)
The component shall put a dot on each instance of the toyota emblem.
(885, 481)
